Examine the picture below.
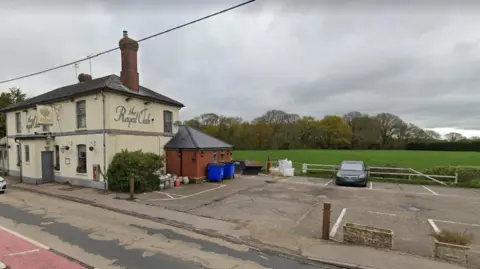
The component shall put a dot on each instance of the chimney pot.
(129, 74)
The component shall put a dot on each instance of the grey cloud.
(417, 59)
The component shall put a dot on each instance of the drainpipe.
(104, 142)
(20, 152)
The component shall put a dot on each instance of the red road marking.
(18, 253)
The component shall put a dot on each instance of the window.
(81, 115)
(57, 157)
(27, 153)
(18, 121)
(214, 156)
(222, 156)
(167, 122)
(82, 158)
(19, 155)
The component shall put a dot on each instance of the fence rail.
(396, 171)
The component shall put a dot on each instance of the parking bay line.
(428, 189)
(433, 225)
(458, 223)
(334, 229)
(371, 185)
(330, 181)
(191, 195)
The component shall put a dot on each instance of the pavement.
(254, 215)
(18, 252)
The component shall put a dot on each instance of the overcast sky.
(420, 61)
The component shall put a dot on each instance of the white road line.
(428, 189)
(327, 183)
(459, 223)
(22, 252)
(178, 195)
(371, 185)
(284, 180)
(24, 238)
(306, 213)
(171, 197)
(187, 196)
(334, 229)
(381, 213)
(434, 226)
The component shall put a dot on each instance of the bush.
(140, 165)
(466, 175)
(455, 238)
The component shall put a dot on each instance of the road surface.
(69, 233)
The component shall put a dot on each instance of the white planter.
(450, 252)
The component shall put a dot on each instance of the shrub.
(466, 175)
(456, 238)
(140, 165)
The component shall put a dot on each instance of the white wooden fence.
(384, 172)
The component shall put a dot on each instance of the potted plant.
(452, 246)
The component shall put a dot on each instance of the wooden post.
(326, 221)
(268, 164)
(132, 187)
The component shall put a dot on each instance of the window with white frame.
(57, 157)
(167, 121)
(18, 122)
(81, 158)
(81, 115)
(27, 153)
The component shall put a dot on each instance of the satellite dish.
(177, 123)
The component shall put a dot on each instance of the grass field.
(399, 158)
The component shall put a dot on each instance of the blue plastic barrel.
(229, 170)
(215, 171)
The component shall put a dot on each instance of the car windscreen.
(351, 166)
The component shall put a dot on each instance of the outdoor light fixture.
(67, 148)
(128, 99)
(91, 148)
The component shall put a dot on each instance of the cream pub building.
(70, 133)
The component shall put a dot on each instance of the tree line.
(12, 96)
(277, 129)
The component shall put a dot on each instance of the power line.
(140, 40)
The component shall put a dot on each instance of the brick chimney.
(129, 74)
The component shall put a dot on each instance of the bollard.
(326, 221)
(132, 187)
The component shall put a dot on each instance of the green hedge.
(140, 165)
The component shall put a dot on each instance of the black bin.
(251, 167)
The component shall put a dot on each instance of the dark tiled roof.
(110, 83)
(191, 138)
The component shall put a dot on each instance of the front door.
(47, 166)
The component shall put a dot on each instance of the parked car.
(353, 173)
(3, 185)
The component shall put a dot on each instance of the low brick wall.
(451, 252)
(368, 236)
